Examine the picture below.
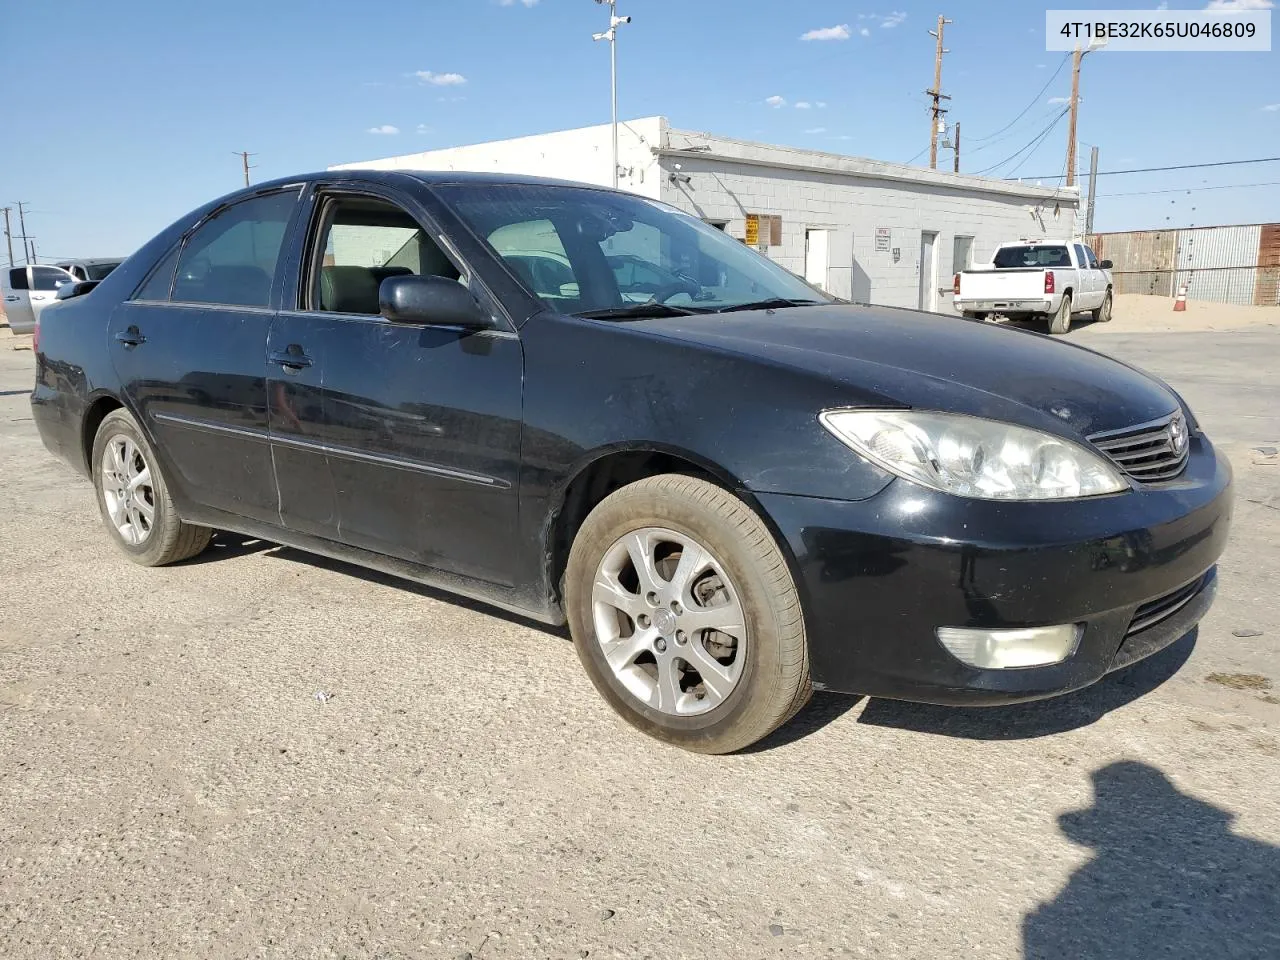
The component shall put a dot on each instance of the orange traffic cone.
(1180, 304)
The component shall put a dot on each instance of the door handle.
(291, 359)
(131, 337)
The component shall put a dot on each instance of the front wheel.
(685, 616)
(1060, 322)
(1103, 313)
(134, 499)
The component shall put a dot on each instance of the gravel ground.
(262, 754)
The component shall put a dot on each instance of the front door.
(928, 271)
(399, 439)
(17, 298)
(190, 349)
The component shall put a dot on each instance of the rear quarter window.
(18, 278)
(46, 279)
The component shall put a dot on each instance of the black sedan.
(733, 490)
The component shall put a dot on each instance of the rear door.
(190, 349)
(399, 439)
(1088, 292)
(17, 299)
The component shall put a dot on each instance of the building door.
(928, 271)
(817, 257)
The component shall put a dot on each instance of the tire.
(1103, 313)
(768, 653)
(121, 455)
(1060, 322)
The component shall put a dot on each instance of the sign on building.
(883, 239)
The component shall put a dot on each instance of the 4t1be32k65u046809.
(590, 407)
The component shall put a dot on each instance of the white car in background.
(27, 291)
(1029, 280)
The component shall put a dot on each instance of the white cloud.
(1163, 5)
(512, 3)
(803, 105)
(816, 130)
(843, 136)
(864, 31)
(1053, 100)
(893, 19)
(1040, 66)
(1272, 108)
(839, 32)
(1240, 5)
(423, 128)
(386, 129)
(440, 79)
(776, 101)
(821, 104)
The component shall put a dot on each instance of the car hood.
(890, 356)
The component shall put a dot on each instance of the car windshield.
(99, 271)
(1032, 256)
(586, 251)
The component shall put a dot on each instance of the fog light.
(1020, 647)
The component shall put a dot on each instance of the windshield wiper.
(638, 311)
(773, 303)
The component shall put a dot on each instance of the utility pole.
(937, 94)
(8, 237)
(1093, 191)
(32, 243)
(1076, 57)
(22, 225)
(1074, 111)
(611, 35)
(956, 169)
(244, 159)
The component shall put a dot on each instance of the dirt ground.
(263, 754)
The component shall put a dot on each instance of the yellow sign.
(753, 229)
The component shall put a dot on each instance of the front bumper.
(879, 576)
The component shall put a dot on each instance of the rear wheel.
(685, 616)
(1060, 322)
(1103, 313)
(134, 499)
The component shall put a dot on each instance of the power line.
(1182, 166)
(1035, 141)
(1034, 101)
(1224, 186)
(994, 140)
(1036, 146)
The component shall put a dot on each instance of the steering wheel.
(669, 290)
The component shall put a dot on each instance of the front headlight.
(972, 457)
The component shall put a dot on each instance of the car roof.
(91, 261)
(429, 177)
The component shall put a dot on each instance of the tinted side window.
(1081, 260)
(47, 278)
(231, 259)
(161, 279)
(1093, 258)
(18, 278)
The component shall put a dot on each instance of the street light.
(611, 35)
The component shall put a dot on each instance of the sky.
(134, 111)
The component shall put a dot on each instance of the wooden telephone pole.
(8, 236)
(22, 225)
(956, 168)
(936, 93)
(1071, 119)
(244, 156)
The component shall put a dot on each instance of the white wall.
(584, 155)
(852, 208)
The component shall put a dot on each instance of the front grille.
(1161, 608)
(1149, 452)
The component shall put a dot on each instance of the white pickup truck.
(1031, 280)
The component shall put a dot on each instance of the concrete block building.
(865, 230)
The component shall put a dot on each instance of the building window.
(961, 251)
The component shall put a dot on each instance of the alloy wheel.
(669, 621)
(127, 490)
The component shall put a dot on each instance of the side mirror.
(1104, 265)
(74, 288)
(431, 302)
